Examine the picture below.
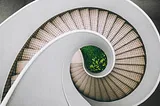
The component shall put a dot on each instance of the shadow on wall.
(8, 7)
(152, 8)
(28, 1)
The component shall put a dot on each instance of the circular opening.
(95, 60)
(98, 62)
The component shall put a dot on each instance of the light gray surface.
(48, 88)
(151, 7)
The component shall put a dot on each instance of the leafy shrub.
(95, 59)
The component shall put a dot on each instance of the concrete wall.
(8, 7)
(151, 7)
(28, 1)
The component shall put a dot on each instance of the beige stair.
(129, 49)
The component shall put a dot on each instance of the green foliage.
(95, 59)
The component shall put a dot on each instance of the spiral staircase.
(48, 67)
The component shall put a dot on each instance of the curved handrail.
(37, 8)
(53, 53)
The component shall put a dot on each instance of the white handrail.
(70, 42)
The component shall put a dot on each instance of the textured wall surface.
(8, 7)
(28, 1)
(151, 7)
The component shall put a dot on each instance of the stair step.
(133, 53)
(133, 61)
(92, 88)
(75, 69)
(122, 32)
(13, 78)
(97, 90)
(115, 29)
(69, 21)
(75, 65)
(28, 53)
(125, 40)
(20, 66)
(101, 21)
(109, 23)
(77, 19)
(119, 93)
(77, 77)
(132, 68)
(36, 44)
(103, 91)
(132, 45)
(52, 29)
(83, 85)
(80, 81)
(132, 84)
(44, 36)
(85, 18)
(109, 90)
(134, 76)
(74, 74)
(121, 85)
(58, 22)
(94, 19)
(87, 87)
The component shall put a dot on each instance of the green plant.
(95, 59)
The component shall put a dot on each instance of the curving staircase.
(129, 50)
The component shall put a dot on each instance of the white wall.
(151, 7)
